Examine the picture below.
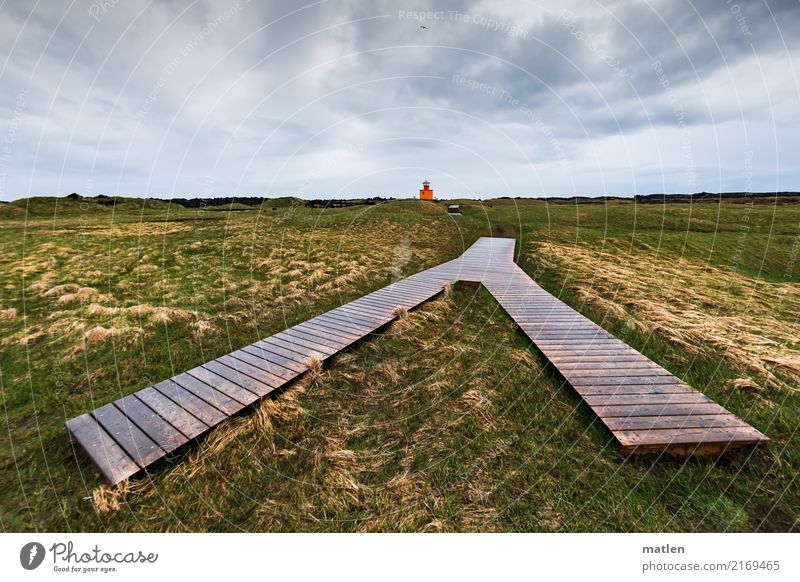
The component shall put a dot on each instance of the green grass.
(448, 420)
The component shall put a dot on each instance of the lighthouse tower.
(426, 193)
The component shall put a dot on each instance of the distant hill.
(662, 198)
(76, 204)
(239, 202)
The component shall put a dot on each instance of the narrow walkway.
(646, 408)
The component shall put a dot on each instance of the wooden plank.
(620, 399)
(615, 366)
(637, 380)
(214, 397)
(323, 330)
(633, 389)
(281, 372)
(206, 412)
(355, 314)
(364, 311)
(314, 348)
(680, 421)
(280, 349)
(302, 352)
(600, 375)
(315, 340)
(367, 324)
(572, 359)
(412, 286)
(658, 409)
(214, 375)
(553, 326)
(257, 381)
(661, 437)
(358, 329)
(411, 290)
(179, 417)
(589, 350)
(114, 463)
(270, 354)
(130, 437)
(336, 326)
(382, 297)
(385, 316)
(159, 430)
(564, 337)
(578, 344)
(385, 305)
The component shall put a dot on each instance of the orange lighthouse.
(426, 193)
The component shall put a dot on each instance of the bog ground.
(446, 421)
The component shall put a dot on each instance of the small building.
(454, 209)
(426, 193)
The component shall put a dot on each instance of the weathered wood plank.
(159, 430)
(218, 377)
(206, 412)
(313, 348)
(705, 435)
(214, 397)
(680, 421)
(282, 372)
(257, 381)
(658, 409)
(114, 463)
(633, 389)
(177, 416)
(302, 352)
(620, 399)
(274, 355)
(130, 437)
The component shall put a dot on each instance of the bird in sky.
(425, 27)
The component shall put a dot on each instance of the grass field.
(446, 421)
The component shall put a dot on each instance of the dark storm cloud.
(355, 98)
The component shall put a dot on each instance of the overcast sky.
(353, 98)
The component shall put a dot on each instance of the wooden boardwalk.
(646, 408)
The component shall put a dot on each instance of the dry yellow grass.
(400, 312)
(99, 333)
(477, 404)
(314, 364)
(752, 321)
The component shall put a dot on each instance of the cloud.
(347, 98)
